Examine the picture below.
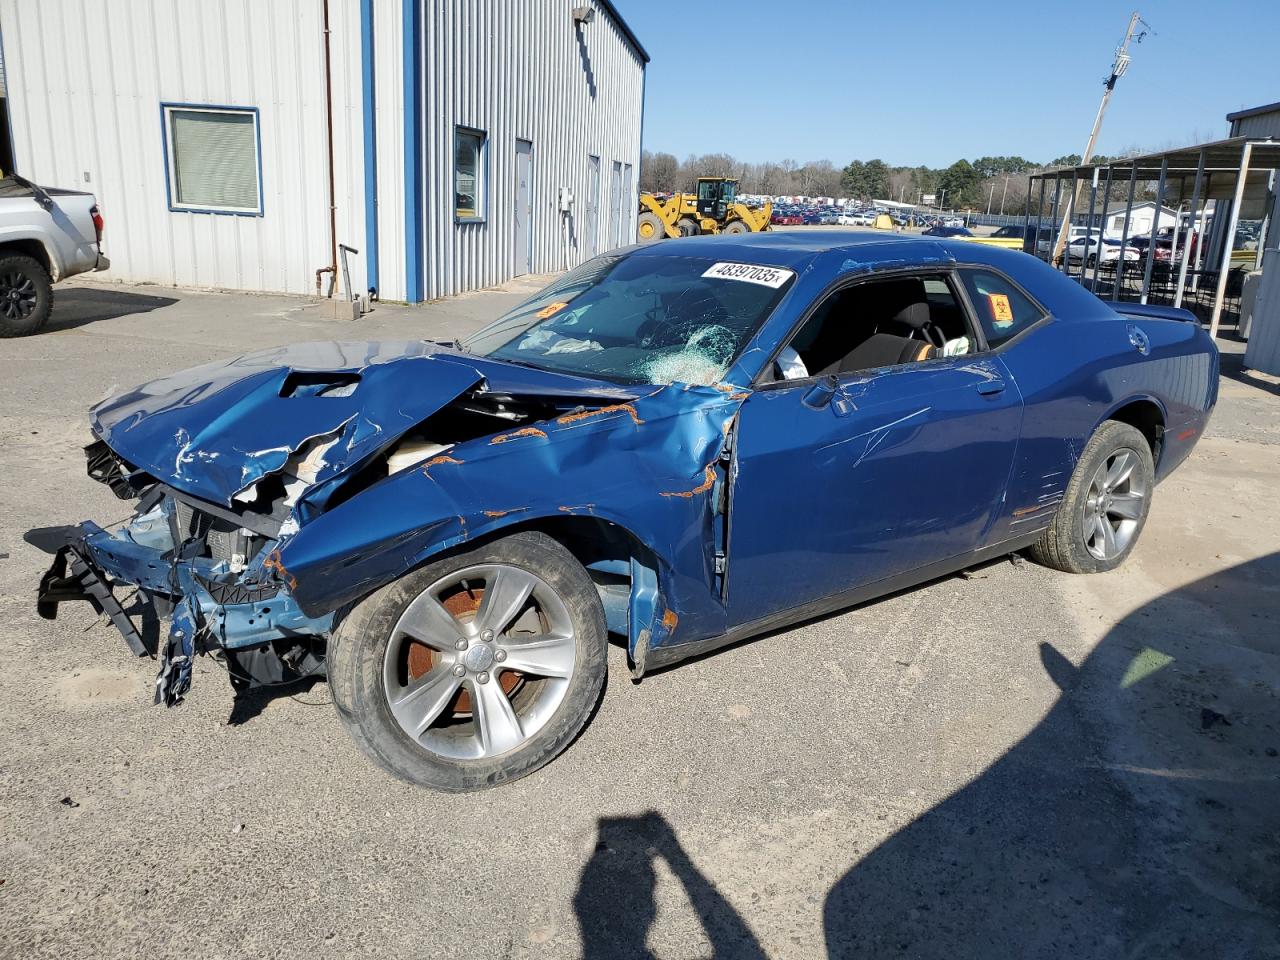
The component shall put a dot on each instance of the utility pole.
(1118, 69)
(1003, 193)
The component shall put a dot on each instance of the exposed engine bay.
(214, 571)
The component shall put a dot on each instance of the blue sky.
(930, 81)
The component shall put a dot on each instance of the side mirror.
(821, 393)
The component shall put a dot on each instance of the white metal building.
(471, 141)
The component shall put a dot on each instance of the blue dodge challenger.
(682, 445)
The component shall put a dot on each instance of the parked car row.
(847, 216)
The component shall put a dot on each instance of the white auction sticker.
(750, 273)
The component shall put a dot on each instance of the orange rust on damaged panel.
(599, 411)
(669, 620)
(503, 513)
(1025, 510)
(273, 563)
(1187, 434)
(517, 434)
(574, 509)
(435, 462)
(703, 487)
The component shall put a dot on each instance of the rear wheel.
(736, 227)
(1105, 506)
(650, 228)
(26, 296)
(474, 670)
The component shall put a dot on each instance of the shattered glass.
(652, 318)
(703, 360)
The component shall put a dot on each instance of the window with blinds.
(213, 159)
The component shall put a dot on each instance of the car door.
(847, 479)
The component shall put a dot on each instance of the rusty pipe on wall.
(332, 268)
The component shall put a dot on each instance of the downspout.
(370, 149)
(332, 269)
(413, 200)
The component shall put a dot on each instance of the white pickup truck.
(46, 235)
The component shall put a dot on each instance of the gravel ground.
(1011, 763)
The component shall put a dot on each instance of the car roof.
(777, 248)
(869, 249)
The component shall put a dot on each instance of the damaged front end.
(226, 461)
(210, 577)
(276, 490)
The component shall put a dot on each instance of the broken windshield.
(639, 319)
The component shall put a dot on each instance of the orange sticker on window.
(1001, 312)
(550, 310)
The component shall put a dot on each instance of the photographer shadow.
(615, 901)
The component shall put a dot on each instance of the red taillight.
(98, 222)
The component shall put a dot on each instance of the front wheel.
(1105, 506)
(474, 670)
(26, 296)
(650, 228)
(736, 227)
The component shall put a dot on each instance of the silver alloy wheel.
(508, 665)
(1114, 505)
(17, 296)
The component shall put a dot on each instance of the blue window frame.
(213, 158)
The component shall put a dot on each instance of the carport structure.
(1239, 170)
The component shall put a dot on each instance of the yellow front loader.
(713, 209)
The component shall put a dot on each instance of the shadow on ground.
(1139, 818)
(615, 902)
(250, 702)
(1233, 368)
(77, 306)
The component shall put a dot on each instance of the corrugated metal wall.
(86, 81)
(87, 77)
(1258, 127)
(516, 70)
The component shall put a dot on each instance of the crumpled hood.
(215, 430)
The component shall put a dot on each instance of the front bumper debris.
(218, 602)
(85, 582)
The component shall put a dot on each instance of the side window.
(879, 323)
(1002, 309)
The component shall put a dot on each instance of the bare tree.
(658, 172)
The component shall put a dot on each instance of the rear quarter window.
(1002, 309)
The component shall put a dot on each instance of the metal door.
(593, 207)
(628, 206)
(898, 470)
(615, 206)
(523, 218)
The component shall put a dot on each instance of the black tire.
(356, 668)
(26, 295)
(1092, 261)
(1065, 544)
(650, 228)
(736, 227)
(688, 227)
